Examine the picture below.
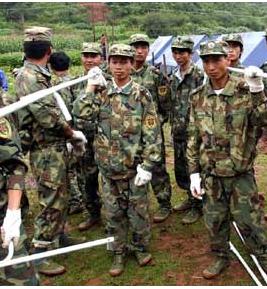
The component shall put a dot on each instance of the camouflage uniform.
(76, 197)
(221, 146)
(149, 77)
(12, 172)
(238, 39)
(127, 134)
(181, 88)
(88, 175)
(43, 131)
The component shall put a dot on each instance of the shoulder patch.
(162, 90)
(5, 129)
(150, 121)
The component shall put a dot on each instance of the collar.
(141, 70)
(115, 89)
(189, 70)
(38, 68)
(228, 90)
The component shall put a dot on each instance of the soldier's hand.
(79, 149)
(253, 76)
(142, 177)
(195, 186)
(10, 229)
(96, 78)
(78, 136)
(78, 141)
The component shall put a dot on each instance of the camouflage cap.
(183, 43)
(91, 47)
(37, 33)
(138, 38)
(233, 38)
(121, 50)
(213, 48)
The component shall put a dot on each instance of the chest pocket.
(131, 123)
(238, 120)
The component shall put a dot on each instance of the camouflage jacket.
(238, 65)
(149, 77)
(264, 68)
(127, 129)
(180, 102)
(40, 122)
(12, 166)
(222, 129)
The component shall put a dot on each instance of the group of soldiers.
(116, 138)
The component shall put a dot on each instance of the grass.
(180, 252)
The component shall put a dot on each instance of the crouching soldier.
(127, 147)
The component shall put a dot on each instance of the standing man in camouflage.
(45, 131)
(235, 43)
(12, 189)
(127, 146)
(88, 176)
(60, 63)
(224, 117)
(185, 78)
(150, 78)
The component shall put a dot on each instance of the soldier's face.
(215, 66)
(120, 67)
(141, 51)
(234, 51)
(90, 60)
(181, 57)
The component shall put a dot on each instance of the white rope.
(55, 252)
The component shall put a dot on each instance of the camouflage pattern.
(91, 47)
(233, 38)
(88, 170)
(128, 133)
(135, 38)
(121, 50)
(241, 195)
(221, 145)
(75, 194)
(183, 43)
(12, 176)
(126, 205)
(181, 88)
(216, 47)
(37, 33)
(152, 80)
(43, 130)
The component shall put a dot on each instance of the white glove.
(253, 76)
(11, 227)
(142, 177)
(195, 186)
(69, 147)
(79, 136)
(96, 77)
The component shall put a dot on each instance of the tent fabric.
(254, 53)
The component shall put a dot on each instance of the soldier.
(235, 43)
(88, 176)
(44, 132)
(225, 114)
(12, 174)
(185, 78)
(60, 62)
(149, 77)
(127, 146)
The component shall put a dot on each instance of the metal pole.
(56, 252)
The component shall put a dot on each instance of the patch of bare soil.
(94, 282)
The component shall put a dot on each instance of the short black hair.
(36, 49)
(59, 61)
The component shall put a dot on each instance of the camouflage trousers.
(126, 208)
(181, 170)
(88, 180)
(21, 274)
(233, 198)
(75, 194)
(49, 165)
(160, 182)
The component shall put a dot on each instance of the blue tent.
(255, 49)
